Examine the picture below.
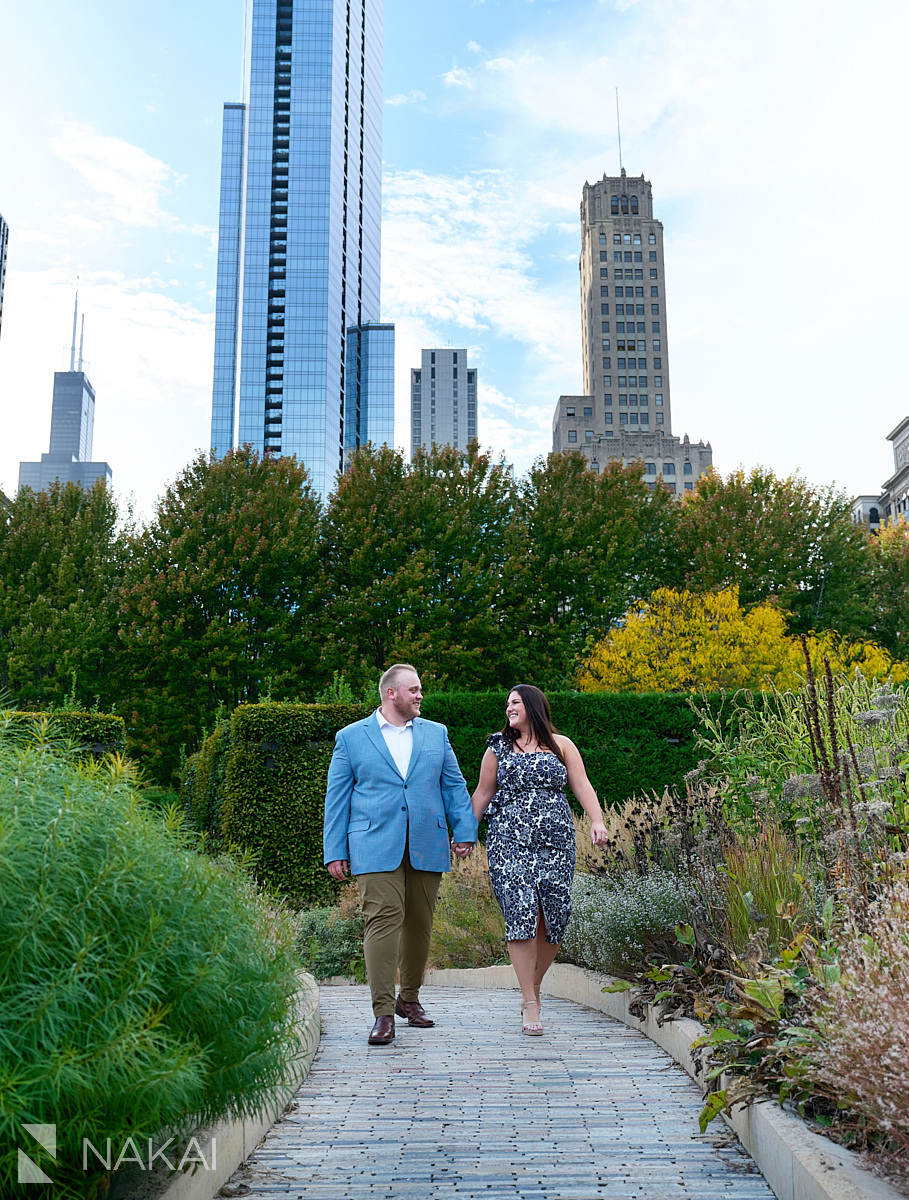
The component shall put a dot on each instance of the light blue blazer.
(372, 812)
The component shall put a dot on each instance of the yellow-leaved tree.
(679, 641)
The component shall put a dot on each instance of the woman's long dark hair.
(541, 727)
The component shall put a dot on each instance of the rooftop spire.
(72, 353)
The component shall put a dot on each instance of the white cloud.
(458, 77)
(129, 184)
(475, 47)
(400, 98)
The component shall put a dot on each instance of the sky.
(770, 130)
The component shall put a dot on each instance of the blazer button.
(403, 808)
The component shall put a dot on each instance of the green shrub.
(631, 744)
(330, 943)
(143, 987)
(92, 732)
(259, 783)
(616, 923)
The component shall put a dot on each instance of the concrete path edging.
(797, 1164)
(237, 1139)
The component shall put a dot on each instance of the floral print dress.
(530, 841)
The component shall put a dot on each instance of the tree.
(416, 566)
(217, 603)
(61, 560)
(779, 539)
(681, 642)
(890, 587)
(592, 544)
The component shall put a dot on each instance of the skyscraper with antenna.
(72, 427)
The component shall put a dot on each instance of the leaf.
(715, 1104)
(619, 985)
(685, 934)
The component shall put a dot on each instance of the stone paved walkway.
(473, 1109)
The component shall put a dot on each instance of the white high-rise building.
(443, 400)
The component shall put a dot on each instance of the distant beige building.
(893, 502)
(626, 411)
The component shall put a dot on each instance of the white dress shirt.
(399, 740)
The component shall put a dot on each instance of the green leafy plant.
(143, 987)
(468, 929)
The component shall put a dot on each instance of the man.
(394, 787)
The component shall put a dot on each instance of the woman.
(530, 835)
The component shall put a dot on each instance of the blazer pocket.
(358, 826)
(443, 824)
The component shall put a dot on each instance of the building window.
(623, 400)
(653, 273)
(654, 310)
(637, 236)
(639, 292)
(634, 212)
(656, 343)
(604, 274)
(633, 400)
(620, 310)
(588, 434)
(416, 376)
(651, 256)
(623, 418)
(654, 327)
(621, 363)
(650, 468)
(627, 254)
(638, 273)
(620, 326)
(623, 381)
(604, 309)
(609, 418)
(606, 345)
(607, 381)
(607, 364)
(607, 399)
(616, 239)
(604, 291)
(634, 418)
(569, 412)
(602, 236)
(658, 381)
(671, 487)
(654, 291)
(642, 381)
(668, 468)
(638, 256)
(588, 412)
(645, 418)
(626, 238)
(658, 398)
(687, 469)
(659, 418)
(614, 206)
(572, 435)
(624, 206)
(657, 364)
(652, 239)
(604, 327)
(432, 371)
(689, 487)
(617, 255)
(643, 401)
(604, 256)
(432, 356)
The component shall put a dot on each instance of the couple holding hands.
(395, 788)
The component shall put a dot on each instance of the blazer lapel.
(374, 733)
(417, 744)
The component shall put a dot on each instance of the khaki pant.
(397, 913)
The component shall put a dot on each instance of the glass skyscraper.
(297, 326)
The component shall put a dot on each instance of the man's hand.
(462, 849)
(338, 868)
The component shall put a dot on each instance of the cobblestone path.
(474, 1109)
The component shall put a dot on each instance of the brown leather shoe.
(383, 1032)
(415, 1013)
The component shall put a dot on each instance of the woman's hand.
(598, 834)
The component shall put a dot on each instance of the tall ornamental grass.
(144, 988)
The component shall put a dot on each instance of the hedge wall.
(96, 733)
(259, 779)
(631, 743)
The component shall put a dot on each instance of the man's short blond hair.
(390, 678)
